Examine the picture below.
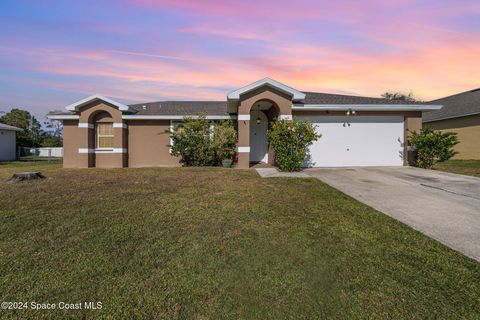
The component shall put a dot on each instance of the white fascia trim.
(85, 125)
(285, 117)
(119, 125)
(63, 117)
(243, 117)
(297, 95)
(111, 150)
(452, 117)
(74, 106)
(176, 117)
(366, 107)
(86, 150)
(243, 149)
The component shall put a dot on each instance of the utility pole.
(33, 136)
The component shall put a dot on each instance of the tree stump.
(21, 176)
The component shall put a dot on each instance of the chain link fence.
(41, 155)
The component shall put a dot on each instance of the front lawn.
(467, 167)
(208, 243)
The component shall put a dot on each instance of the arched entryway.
(262, 114)
(269, 97)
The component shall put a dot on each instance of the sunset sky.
(53, 53)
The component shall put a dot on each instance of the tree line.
(33, 135)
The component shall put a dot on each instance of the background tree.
(54, 136)
(32, 130)
(398, 96)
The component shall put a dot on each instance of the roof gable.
(296, 95)
(75, 106)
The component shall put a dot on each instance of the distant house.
(460, 114)
(8, 142)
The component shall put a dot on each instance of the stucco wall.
(149, 143)
(83, 137)
(7, 145)
(468, 130)
(73, 139)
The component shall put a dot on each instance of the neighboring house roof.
(10, 128)
(457, 105)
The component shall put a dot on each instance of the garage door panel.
(356, 141)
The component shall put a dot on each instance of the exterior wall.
(468, 130)
(73, 139)
(79, 139)
(8, 150)
(149, 144)
(247, 100)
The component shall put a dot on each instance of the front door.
(258, 137)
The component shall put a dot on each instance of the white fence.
(48, 152)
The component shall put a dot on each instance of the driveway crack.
(452, 192)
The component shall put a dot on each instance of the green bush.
(198, 142)
(290, 141)
(433, 146)
(224, 140)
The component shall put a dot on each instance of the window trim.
(97, 137)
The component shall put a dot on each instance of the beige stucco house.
(356, 131)
(460, 114)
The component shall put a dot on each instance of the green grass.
(207, 243)
(467, 167)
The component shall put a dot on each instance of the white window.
(104, 139)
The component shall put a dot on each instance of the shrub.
(224, 140)
(191, 142)
(433, 146)
(199, 143)
(290, 140)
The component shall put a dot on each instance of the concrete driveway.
(441, 205)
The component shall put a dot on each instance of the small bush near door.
(290, 140)
(433, 146)
(199, 142)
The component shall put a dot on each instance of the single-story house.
(460, 114)
(356, 131)
(8, 146)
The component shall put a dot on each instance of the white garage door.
(356, 141)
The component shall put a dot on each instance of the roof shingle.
(329, 98)
(457, 105)
(181, 108)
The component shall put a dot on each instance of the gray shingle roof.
(329, 98)
(7, 127)
(457, 105)
(181, 108)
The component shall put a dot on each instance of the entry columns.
(243, 147)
